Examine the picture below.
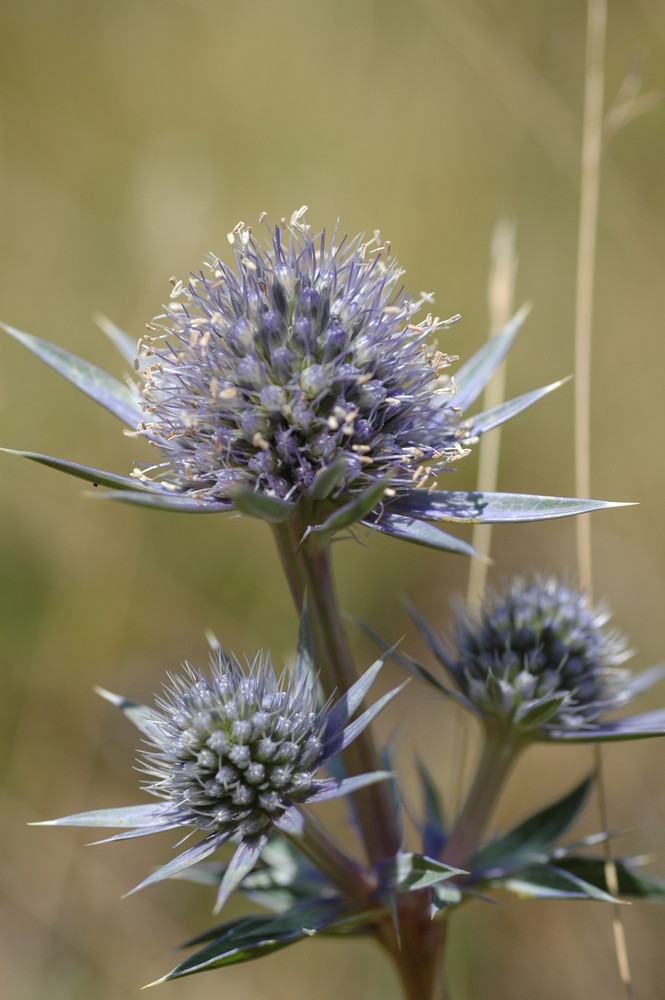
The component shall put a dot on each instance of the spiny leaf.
(421, 533)
(93, 381)
(252, 937)
(634, 884)
(489, 419)
(541, 881)
(259, 505)
(473, 376)
(492, 508)
(530, 838)
(411, 872)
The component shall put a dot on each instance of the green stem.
(499, 752)
(309, 571)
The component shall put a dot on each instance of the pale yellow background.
(133, 135)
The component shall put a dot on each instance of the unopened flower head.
(307, 352)
(234, 750)
(538, 655)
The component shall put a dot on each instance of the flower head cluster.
(535, 644)
(234, 755)
(306, 353)
(537, 658)
(303, 380)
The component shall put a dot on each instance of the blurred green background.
(133, 135)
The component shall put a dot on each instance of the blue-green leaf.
(362, 722)
(336, 789)
(127, 817)
(473, 376)
(304, 645)
(98, 477)
(191, 856)
(541, 881)
(162, 499)
(642, 681)
(94, 382)
(529, 840)
(498, 415)
(538, 713)
(252, 937)
(352, 699)
(352, 512)
(631, 727)
(633, 884)
(328, 479)
(254, 504)
(492, 508)
(444, 895)
(434, 831)
(144, 718)
(410, 872)
(420, 532)
(241, 864)
(126, 345)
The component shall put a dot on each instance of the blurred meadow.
(133, 136)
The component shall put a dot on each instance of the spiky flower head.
(303, 381)
(535, 644)
(537, 658)
(235, 750)
(307, 354)
(234, 754)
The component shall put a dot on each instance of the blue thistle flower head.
(233, 751)
(537, 658)
(235, 754)
(306, 354)
(535, 642)
(303, 380)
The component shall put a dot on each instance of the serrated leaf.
(252, 937)
(410, 872)
(529, 840)
(93, 381)
(633, 884)
(254, 504)
(541, 881)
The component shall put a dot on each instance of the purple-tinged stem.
(309, 572)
